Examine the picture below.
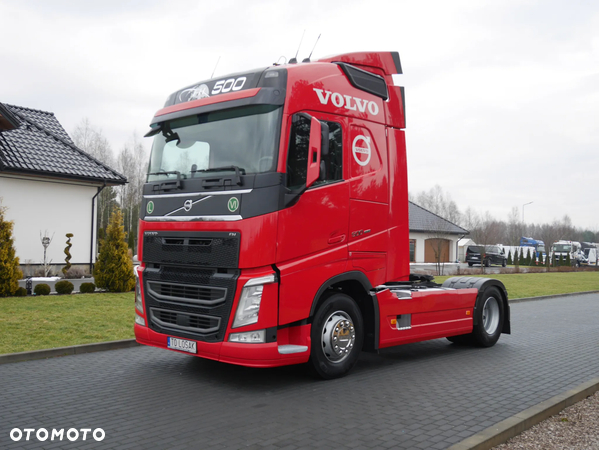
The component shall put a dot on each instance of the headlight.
(138, 303)
(249, 301)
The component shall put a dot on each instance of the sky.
(502, 98)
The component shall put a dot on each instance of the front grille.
(186, 302)
(178, 321)
(204, 249)
(185, 293)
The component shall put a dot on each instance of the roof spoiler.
(388, 62)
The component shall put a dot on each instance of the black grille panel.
(204, 249)
(186, 322)
(178, 300)
(185, 293)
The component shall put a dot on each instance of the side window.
(297, 157)
(333, 161)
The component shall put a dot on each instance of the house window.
(412, 250)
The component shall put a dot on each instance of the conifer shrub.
(114, 269)
(10, 273)
(63, 287)
(41, 289)
(567, 261)
(509, 258)
(522, 261)
(87, 288)
(527, 257)
(21, 292)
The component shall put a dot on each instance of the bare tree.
(92, 141)
(515, 228)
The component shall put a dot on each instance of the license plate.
(182, 344)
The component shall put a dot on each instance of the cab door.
(312, 230)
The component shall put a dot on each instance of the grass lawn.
(35, 323)
(522, 285)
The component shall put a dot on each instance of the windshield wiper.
(164, 172)
(221, 169)
(167, 185)
(223, 181)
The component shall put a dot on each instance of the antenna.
(215, 66)
(294, 59)
(308, 58)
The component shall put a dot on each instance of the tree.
(515, 228)
(132, 162)
(527, 258)
(522, 260)
(509, 258)
(92, 141)
(439, 203)
(10, 273)
(516, 257)
(114, 269)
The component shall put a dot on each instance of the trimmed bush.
(516, 259)
(114, 268)
(41, 289)
(509, 258)
(67, 252)
(64, 287)
(87, 288)
(21, 292)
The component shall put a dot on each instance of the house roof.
(34, 142)
(425, 221)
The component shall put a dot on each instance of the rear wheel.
(489, 316)
(337, 336)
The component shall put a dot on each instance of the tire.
(489, 316)
(337, 336)
(504, 263)
(487, 263)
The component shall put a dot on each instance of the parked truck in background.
(274, 224)
(537, 244)
(562, 249)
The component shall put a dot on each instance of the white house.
(432, 236)
(48, 185)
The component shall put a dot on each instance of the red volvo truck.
(274, 223)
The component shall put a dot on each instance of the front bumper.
(285, 351)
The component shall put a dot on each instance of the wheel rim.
(338, 336)
(491, 315)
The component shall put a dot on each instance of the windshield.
(562, 248)
(245, 138)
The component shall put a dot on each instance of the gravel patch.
(575, 428)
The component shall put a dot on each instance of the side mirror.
(314, 152)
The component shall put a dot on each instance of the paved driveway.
(426, 395)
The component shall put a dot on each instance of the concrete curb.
(508, 428)
(64, 351)
(545, 297)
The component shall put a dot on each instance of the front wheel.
(504, 263)
(337, 337)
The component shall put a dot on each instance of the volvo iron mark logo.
(187, 205)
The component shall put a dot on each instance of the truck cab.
(274, 223)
